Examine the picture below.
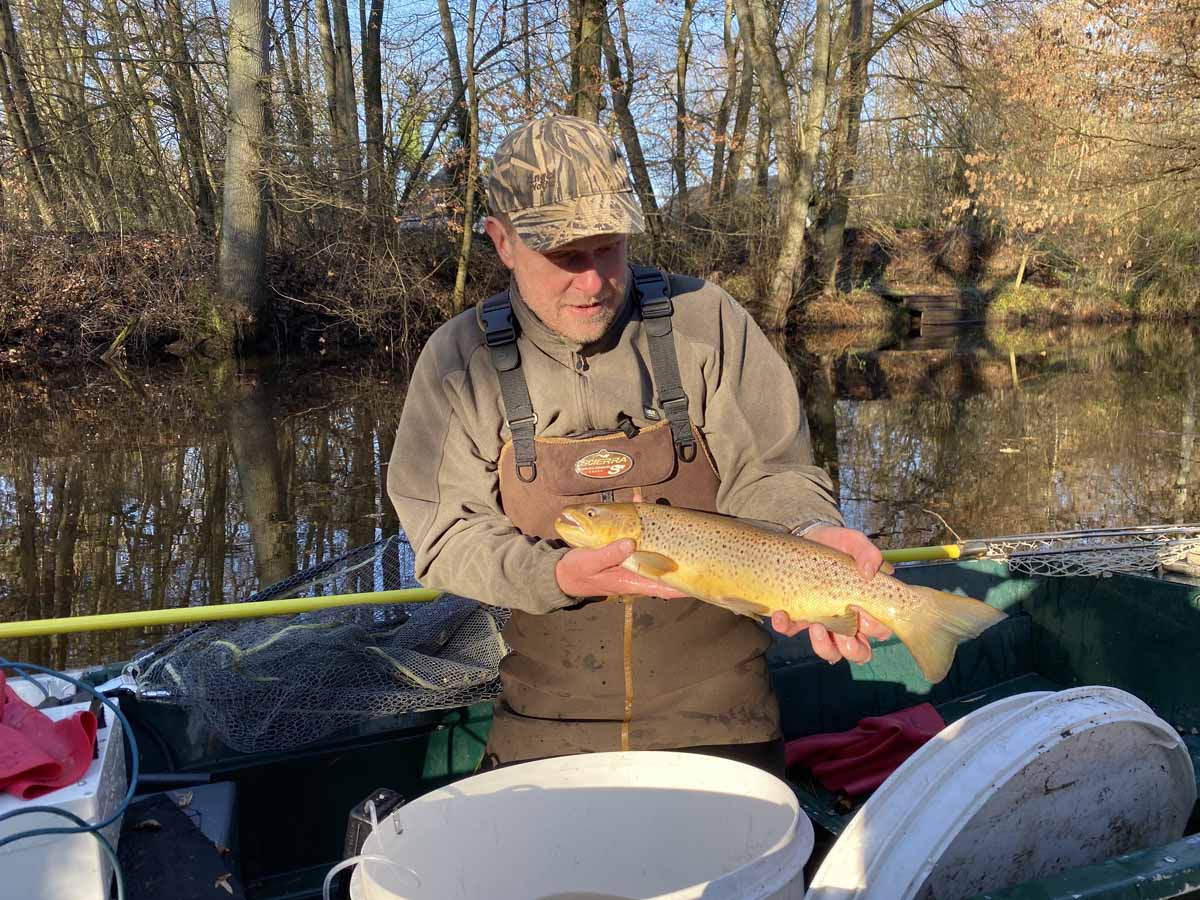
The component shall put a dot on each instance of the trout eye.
(590, 512)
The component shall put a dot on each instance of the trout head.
(598, 525)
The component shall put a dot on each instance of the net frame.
(1095, 552)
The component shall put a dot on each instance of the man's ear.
(501, 239)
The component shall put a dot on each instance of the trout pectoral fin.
(846, 624)
(739, 606)
(652, 565)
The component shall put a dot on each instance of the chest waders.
(620, 673)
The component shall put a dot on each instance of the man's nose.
(588, 281)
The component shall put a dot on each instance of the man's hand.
(827, 645)
(598, 573)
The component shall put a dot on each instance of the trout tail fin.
(938, 624)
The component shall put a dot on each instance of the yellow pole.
(921, 554)
(215, 612)
(222, 611)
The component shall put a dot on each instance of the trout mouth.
(569, 527)
(573, 526)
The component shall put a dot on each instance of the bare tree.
(244, 223)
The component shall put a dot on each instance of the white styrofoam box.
(31, 689)
(67, 866)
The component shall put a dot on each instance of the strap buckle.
(530, 419)
(653, 292)
(499, 327)
(657, 307)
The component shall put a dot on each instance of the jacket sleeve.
(446, 493)
(758, 433)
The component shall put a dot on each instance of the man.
(589, 381)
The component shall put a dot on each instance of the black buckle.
(657, 307)
(499, 327)
(655, 301)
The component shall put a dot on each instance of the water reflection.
(1082, 429)
(176, 488)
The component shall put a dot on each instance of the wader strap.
(652, 290)
(500, 334)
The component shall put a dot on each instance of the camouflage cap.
(560, 178)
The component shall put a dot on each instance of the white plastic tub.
(1026, 787)
(649, 825)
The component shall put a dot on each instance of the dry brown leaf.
(184, 799)
(223, 882)
(148, 825)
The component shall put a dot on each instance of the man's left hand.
(868, 560)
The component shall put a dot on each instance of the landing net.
(1096, 552)
(285, 681)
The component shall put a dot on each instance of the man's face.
(576, 289)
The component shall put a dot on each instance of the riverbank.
(146, 298)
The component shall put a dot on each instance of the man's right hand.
(598, 573)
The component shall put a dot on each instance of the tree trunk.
(720, 131)
(329, 69)
(796, 155)
(297, 99)
(762, 157)
(378, 191)
(187, 120)
(464, 252)
(450, 39)
(526, 57)
(23, 121)
(737, 142)
(850, 116)
(620, 89)
(347, 105)
(588, 99)
(244, 225)
(345, 145)
(683, 49)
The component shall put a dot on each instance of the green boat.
(284, 813)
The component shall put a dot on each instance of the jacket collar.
(554, 344)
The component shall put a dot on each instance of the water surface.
(148, 489)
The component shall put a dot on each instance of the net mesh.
(1098, 552)
(282, 682)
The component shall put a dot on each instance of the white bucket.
(652, 825)
(1028, 786)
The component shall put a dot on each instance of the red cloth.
(38, 754)
(859, 760)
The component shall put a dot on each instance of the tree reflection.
(1097, 435)
(98, 516)
(183, 493)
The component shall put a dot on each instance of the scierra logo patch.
(603, 464)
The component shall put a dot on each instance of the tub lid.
(1022, 788)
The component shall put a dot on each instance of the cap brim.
(543, 228)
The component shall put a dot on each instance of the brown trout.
(753, 571)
